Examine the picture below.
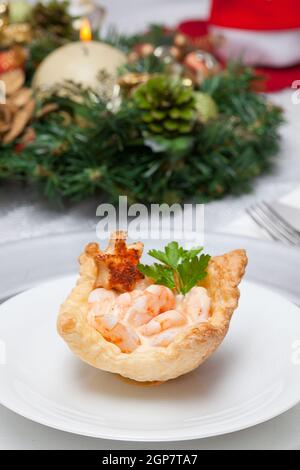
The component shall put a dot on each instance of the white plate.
(250, 379)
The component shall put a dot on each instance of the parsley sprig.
(178, 269)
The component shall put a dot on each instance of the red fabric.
(258, 15)
(275, 79)
(194, 28)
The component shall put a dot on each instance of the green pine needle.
(85, 149)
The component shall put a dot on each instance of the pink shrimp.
(164, 297)
(104, 320)
(116, 332)
(150, 315)
(164, 321)
(196, 304)
(149, 303)
(165, 338)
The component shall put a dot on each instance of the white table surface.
(24, 214)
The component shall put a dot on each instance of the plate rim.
(85, 234)
(141, 439)
(192, 434)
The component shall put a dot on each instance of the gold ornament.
(4, 14)
(201, 64)
(132, 57)
(144, 50)
(129, 81)
(17, 33)
(167, 54)
(180, 40)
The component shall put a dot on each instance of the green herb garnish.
(178, 269)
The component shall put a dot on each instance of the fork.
(273, 224)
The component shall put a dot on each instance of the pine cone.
(53, 18)
(167, 106)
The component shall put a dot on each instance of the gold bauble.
(167, 54)
(4, 14)
(130, 80)
(17, 33)
(181, 40)
(202, 64)
(144, 49)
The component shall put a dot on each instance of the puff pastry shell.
(189, 349)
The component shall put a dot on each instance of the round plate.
(250, 379)
(26, 263)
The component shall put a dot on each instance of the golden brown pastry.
(119, 321)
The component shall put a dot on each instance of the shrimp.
(124, 319)
(165, 338)
(133, 306)
(196, 304)
(143, 284)
(164, 321)
(164, 296)
(143, 308)
(100, 302)
(149, 303)
(102, 317)
(116, 332)
(122, 304)
(101, 295)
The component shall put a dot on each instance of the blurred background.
(134, 15)
(25, 213)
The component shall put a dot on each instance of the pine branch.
(84, 149)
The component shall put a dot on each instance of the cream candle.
(80, 62)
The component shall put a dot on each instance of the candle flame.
(85, 30)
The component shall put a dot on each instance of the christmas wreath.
(181, 127)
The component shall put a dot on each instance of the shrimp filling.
(149, 316)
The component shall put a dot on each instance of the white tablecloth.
(23, 213)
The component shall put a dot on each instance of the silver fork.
(273, 224)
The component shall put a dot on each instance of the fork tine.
(270, 229)
(281, 220)
(275, 227)
(273, 219)
(251, 212)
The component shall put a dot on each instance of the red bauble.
(11, 59)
